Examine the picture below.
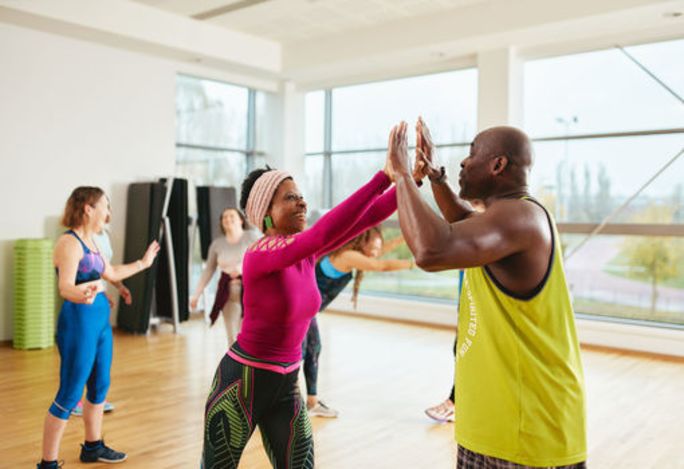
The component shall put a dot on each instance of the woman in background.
(333, 274)
(226, 253)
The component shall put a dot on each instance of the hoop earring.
(268, 222)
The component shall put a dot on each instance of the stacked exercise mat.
(34, 294)
(144, 214)
(143, 220)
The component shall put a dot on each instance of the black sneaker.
(102, 453)
(50, 466)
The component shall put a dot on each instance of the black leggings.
(451, 394)
(243, 397)
(311, 350)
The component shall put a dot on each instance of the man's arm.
(439, 245)
(453, 208)
(474, 241)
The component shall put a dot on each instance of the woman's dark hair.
(357, 244)
(74, 211)
(248, 183)
(240, 214)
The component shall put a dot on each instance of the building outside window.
(603, 127)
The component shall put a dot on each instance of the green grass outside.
(619, 267)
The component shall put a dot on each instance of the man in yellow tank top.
(520, 387)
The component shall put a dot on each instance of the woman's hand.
(425, 150)
(397, 152)
(88, 293)
(418, 170)
(125, 294)
(150, 254)
(110, 300)
(193, 302)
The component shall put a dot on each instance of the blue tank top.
(91, 266)
(329, 270)
(330, 281)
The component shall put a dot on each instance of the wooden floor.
(380, 375)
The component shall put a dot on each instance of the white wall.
(75, 113)
(143, 28)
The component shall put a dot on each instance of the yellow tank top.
(519, 379)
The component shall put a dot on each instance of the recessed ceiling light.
(672, 14)
(438, 54)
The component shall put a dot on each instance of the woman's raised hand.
(397, 163)
(150, 254)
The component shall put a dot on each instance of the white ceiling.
(321, 43)
(296, 20)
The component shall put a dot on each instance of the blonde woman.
(333, 274)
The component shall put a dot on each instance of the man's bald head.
(507, 141)
(499, 162)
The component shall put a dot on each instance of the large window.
(603, 127)
(346, 139)
(216, 139)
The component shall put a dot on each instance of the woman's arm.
(349, 260)
(209, 269)
(382, 208)
(207, 274)
(124, 292)
(116, 273)
(275, 253)
(392, 244)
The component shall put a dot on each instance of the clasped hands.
(397, 164)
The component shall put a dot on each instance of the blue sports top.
(330, 281)
(329, 270)
(91, 266)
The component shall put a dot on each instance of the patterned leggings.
(243, 397)
(471, 460)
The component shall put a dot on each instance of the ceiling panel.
(293, 20)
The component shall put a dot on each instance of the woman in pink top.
(256, 382)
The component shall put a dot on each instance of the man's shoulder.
(520, 205)
(524, 215)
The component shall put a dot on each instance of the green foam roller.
(34, 294)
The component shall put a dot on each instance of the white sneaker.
(443, 412)
(322, 410)
(78, 410)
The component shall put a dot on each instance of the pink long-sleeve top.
(278, 274)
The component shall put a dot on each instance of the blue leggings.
(84, 338)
